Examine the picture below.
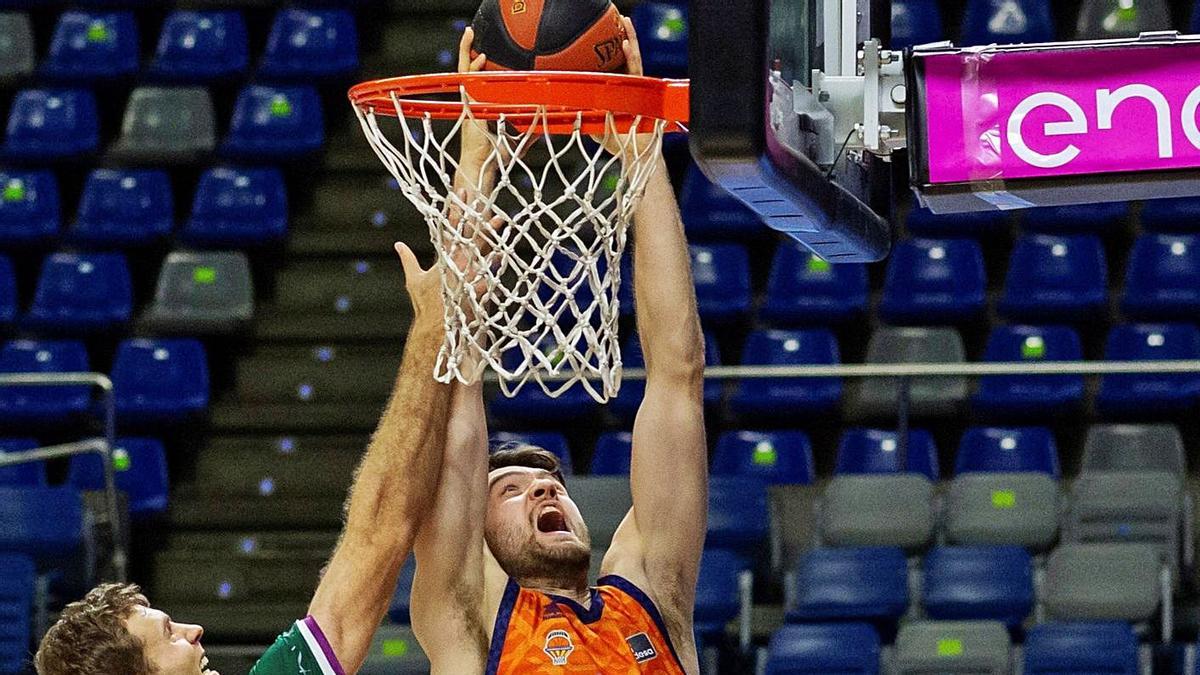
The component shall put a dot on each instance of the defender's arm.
(390, 494)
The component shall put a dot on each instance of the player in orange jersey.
(503, 557)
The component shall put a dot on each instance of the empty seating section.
(776, 457)
(1055, 278)
(41, 406)
(1007, 21)
(1005, 489)
(1150, 394)
(238, 208)
(187, 206)
(934, 281)
(45, 125)
(804, 289)
(1024, 396)
(759, 398)
(881, 493)
(274, 124)
(17, 51)
(82, 293)
(202, 293)
(306, 44)
(1081, 647)
(91, 46)
(139, 469)
(124, 209)
(30, 210)
(1162, 282)
(17, 576)
(201, 46)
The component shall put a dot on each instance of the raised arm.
(449, 590)
(392, 486)
(663, 536)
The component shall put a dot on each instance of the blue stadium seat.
(275, 123)
(933, 282)
(160, 381)
(1056, 279)
(18, 577)
(29, 208)
(788, 397)
(29, 474)
(1133, 395)
(88, 46)
(46, 523)
(200, 47)
(709, 212)
(1007, 22)
(875, 451)
(1083, 648)
(721, 273)
(82, 292)
(1162, 281)
(8, 293)
(238, 207)
(546, 440)
(662, 29)
(1181, 214)
(398, 610)
(717, 591)
(737, 514)
(924, 223)
(916, 22)
(52, 124)
(772, 456)
(140, 470)
(43, 404)
(306, 44)
(805, 289)
(124, 208)
(627, 401)
(1030, 395)
(612, 454)
(865, 583)
(1096, 218)
(972, 583)
(823, 648)
(1007, 450)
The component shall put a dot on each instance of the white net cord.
(530, 266)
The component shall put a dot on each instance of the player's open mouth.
(552, 520)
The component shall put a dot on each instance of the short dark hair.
(524, 454)
(90, 637)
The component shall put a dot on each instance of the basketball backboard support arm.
(774, 172)
(806, 140)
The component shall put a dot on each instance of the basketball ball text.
(606, 51)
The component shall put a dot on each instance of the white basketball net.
(531, 268)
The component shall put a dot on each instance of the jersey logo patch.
(643, 650)
(558, 647)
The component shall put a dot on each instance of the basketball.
(550, 35)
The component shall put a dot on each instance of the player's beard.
(529, 558)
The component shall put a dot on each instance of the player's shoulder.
(302, 649)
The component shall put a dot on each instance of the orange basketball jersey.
(622, 632)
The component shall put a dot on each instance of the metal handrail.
(101, 446)
(864, 370)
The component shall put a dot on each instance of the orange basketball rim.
(558, 102)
